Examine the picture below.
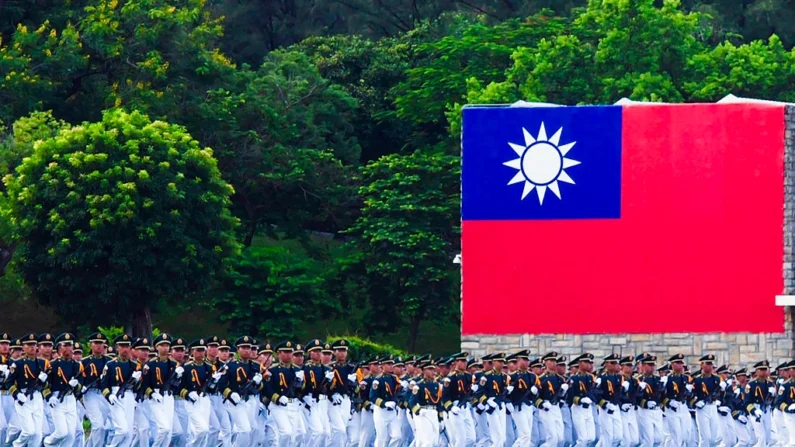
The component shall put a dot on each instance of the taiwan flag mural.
(622, 219)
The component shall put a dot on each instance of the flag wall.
(622, 219)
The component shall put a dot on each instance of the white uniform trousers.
(538, 434)
(482, 429)
(745, 433)
(551, 422)
(179, 435)
(406, 430)
(198, 421)
(612, 430)
(163, 417)
(12, 425)
(142, 425)
(762, 429)
(366, 428)
(726, 429)
(317, 422)
(3, 419)
(708, 425)
(252, 411)
(523, 423)
(64, 420)
(568, 427)
(339, 416)
(789, 422)
(241, 428)
(387, 427)
(649, 427)
(80, 434)
(47, 425)
(782, 433)
(220, 424)
(353, 426)
(629, 428)
(456, 425)
(30, 417)
(122, 417)
(584, 427)
(97, 413)
(427, 428)
(285, 418)
(677, 419)
(497, 426)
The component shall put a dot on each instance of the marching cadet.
(79, 433)
(650, 390)
(580, 399)
(742, 426)
(609, 392)
(96, 406)
(5, 398)
(460, 426)
(425, 401)
(565, 411)
(725, 425)
(283, 386)
(552, 390)
(65, 381)
(197, 380)
(779, 424)
(479, 409)
(179, 433)
(161, 378)
(705, 400)
(44, 351)
(406, 430)
(496, 384)
(383, 395)
(785, 403)
(629, 403)
(120, 377)
(525, 388)
(28, 376)
(315, 395)
(678, 388)
(760, 392)
(242, 380)
(344, 420)
(366, 425)
(142, 423)
(264, 430)
(298, 360)
(220, 424)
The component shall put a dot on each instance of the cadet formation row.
(208, 393)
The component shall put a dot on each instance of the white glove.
(509, 406)
(509, 389)
(771, 390)
(156, 396)
(723, 385)
(299, 375)
(642, 385)
(73, 383)
(217, 375)
(43, 376)
(53, 402)
(690, 387)
(3, 370)
(737, 391)
(446, 380)
(564, 387)
(483, 381)
(336, 399)
(546, 405)
(376, 383)
(112, 399)
(235, 398)
(389, 405)
(727, 409)
(664, 380)
(282, 400)
(700, 404)
(674, 404)
(626, 407)
(308, 400)
(475, 388)
(791, 407)
(729, 382)
(743, 419)
(412, 384)
(757, 413)
(718, 402)
(481, 407)
(651, 405)
(625, 385)
(363, 384)
(352, 377)
(178, 371)
(779, 381)
(257, 379)
(404, 384)
(534, 389)
(21, 398)
(598, 381)
(611, 406)
(136, 375)
(586, 401)
(455, 409)
(492, 403)
(329, 375)
(193, 396)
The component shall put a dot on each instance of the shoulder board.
(273, 367)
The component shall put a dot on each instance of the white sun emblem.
(542, 163)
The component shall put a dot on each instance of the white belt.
(322, 397)
(428, 407)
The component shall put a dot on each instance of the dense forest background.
(337, 124)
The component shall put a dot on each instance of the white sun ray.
(542, 163)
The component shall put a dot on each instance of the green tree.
(269, 292)
(111, 217)
(407, 236)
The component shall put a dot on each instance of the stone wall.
(736, 349)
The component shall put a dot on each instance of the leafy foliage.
(115, 215)
(362, 348)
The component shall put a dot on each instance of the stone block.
(619, 341)
(470, 345)
(637, 338)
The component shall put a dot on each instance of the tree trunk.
(414, 329)
(250, 232)
(142, 323)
